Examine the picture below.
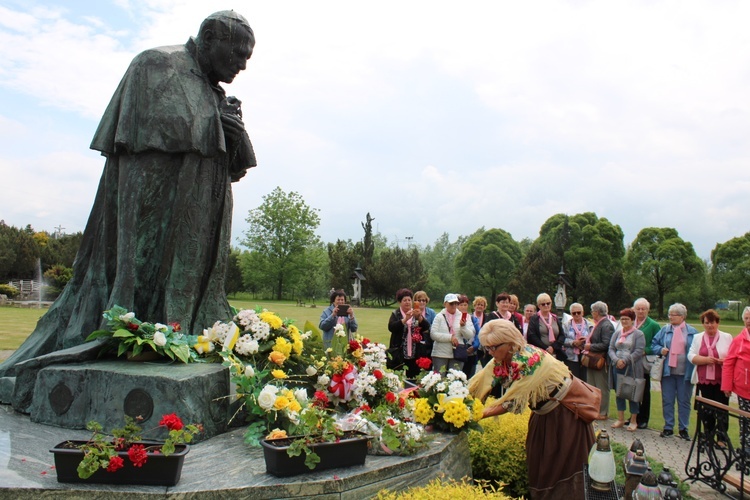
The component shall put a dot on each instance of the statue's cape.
(161, 105)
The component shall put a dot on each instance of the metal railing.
(713, 458)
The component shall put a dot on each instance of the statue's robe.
(158, 237)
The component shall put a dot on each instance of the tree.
(590, 248)
(486, 262)
(660, 262)
(233, 282)
(731, 267)
(343, 257)
(439, 263)
(280, 230)
(393, 269)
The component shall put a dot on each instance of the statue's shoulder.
(168, 54)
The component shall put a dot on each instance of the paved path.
(671, 451)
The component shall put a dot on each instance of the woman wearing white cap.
(449, 328)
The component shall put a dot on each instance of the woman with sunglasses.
(557, 442)
(421, 299)
(576, 333)
(545, 328)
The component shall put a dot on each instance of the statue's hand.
(232, 125)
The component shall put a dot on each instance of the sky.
(433, 116)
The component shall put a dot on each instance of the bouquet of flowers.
(353, 372)
(267, 364)
(391, 426)
(444, 401)
(128, 333)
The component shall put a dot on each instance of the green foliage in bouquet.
(127, 333)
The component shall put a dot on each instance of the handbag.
(648, 362)
(657, 368)
(593, 360)
(582, 399)
(629, 387)
(460, 352)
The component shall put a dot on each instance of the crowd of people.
(532, 359)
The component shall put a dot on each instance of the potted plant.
(317, 437)
(123, 457)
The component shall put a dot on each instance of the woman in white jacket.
(449, 328)
(707, 353)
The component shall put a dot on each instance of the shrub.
(8, 290)
(499, 453)
(438, 489)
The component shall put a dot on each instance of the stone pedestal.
(71, 395)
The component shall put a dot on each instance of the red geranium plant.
(100, 451)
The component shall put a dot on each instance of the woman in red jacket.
(735, 373)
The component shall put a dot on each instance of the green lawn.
(16, 324)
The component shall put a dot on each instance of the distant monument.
(158, 237)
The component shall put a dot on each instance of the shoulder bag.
(657, 368)
(593, 360)
(629, 387)
(582, 399)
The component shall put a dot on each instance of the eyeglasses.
(576, 313)
(545, 304)
(491, 348)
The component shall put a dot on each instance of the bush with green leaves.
(440, 489)
(498, 454)
(9, 290)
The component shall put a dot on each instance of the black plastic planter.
(159, 470)
(349, 450)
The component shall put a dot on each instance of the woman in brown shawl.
(557, 443)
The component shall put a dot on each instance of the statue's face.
(228, 57)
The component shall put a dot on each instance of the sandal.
(618, 424)
(632, 427)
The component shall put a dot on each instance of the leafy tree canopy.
(486, 262)
(731, 267)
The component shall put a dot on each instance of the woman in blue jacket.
(673, 341)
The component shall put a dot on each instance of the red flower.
(354, 345)
(377, 374)
(115, 463)
(401, 403)
(171, 422)
(416, 337)
(175, 326)
(362, 363)
(424, 363)
(137, 454)
(320, 399)
(390, 397)
(365, 341)
(366, 408)
(132, 327)
(391, 421)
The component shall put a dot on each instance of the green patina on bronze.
(158, 236)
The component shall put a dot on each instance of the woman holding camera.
(339, 312)
(410, 335)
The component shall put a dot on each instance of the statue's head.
(225, 43)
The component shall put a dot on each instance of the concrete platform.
(221, 467)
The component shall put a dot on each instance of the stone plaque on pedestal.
(71, 395)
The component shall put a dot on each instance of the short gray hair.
(600, 308)
(678, 309)
(575, 304)
(641, 300)
(746, 309)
